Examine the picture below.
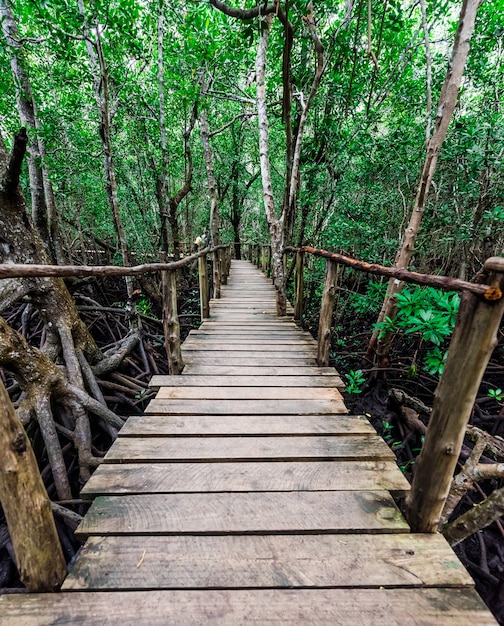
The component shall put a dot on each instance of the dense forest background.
(145, 131)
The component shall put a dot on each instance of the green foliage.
(356, 380)
(427, 311)
(434, 361)
(496, 394)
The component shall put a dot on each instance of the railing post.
(326, 311)
(471, 346)
(171, 326)
(27, 508)
(270, 270)
(223, 265)
(203, 287)
(216, 275)
(299, 286)
(264, 259)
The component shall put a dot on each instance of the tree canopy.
(364, 137)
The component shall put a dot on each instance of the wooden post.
(223, 265)
(203, 287)
(216, 275)
(326, 311)
(27, 508)
(299, 286)
(471, 346)
(171, 326)
(269, 262)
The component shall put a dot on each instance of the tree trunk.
(27, 509)
(27, 114)
(446, 106)
(212, 188)
(102, 96)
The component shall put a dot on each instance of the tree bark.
(26, 506)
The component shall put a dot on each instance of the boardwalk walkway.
(247, 494)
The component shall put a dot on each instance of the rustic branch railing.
(220, 254)
(472, 343)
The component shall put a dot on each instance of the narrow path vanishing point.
(247, 494)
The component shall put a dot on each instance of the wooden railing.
(220, 257)
(472, 343)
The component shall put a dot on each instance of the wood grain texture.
(198, 449)
(246, 407)
(260, 346)
(321, 607)
(137, 478)
(303, 561)
(188, 380)
(198, 368)
(229, 513)
(223, 359)
(207, 425)
(248, 393)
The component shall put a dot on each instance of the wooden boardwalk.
(247, 494)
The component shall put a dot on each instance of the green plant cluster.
(428, 313)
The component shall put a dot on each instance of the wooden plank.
(230, 513)
(249, 393)
(188, 380)
(302, 561)
(223, 359)
(275, 325)
(198, 425)
(322, 607)
(246, 407)
(249, 347)
(136, 478)
(196, 368)
(157, 449)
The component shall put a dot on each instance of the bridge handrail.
(472, 343)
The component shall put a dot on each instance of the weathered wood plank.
(196, 368)
(224, 358)
(188, 380)
(198, 425)
(246, 407)
(258, 513)
(137, 478)
(249, 393)
(248, 346)
(349, 447)
(322, 607)
(303, 561)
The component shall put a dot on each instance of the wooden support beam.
(326, 311)
(216, 275)
(471, 346)
(299, 286)
(171, 325)
(203, 287)
(26, 506)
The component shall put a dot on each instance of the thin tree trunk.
(102, 95)
(446, 106)
(275, 224)
(212, 188)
